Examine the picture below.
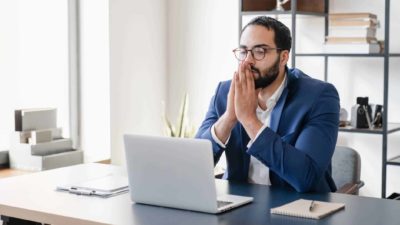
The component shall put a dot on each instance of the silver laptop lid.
(172, 172)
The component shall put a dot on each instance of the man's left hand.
(246, 100)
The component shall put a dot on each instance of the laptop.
(176, 173)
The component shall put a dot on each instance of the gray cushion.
(346, 166)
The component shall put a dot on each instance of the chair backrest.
(346, 167)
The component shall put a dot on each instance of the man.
(277, 126)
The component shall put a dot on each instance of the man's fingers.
(249, 78)
(237, 84)
(242, 75)
(233, 82)
(232, 87)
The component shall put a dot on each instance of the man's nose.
(249, 58)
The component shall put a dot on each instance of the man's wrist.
(252, 126)
(229, 121)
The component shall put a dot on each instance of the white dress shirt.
(258, 172)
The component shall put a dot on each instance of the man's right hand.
(230, 106)
(228, 120)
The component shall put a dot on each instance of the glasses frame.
(252, 53)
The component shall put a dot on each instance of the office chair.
(346, 170)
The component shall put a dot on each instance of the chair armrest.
(350, 188)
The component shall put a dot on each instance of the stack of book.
(37, 142)
(352, 33)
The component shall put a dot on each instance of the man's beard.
(270, 76)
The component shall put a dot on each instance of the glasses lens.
(240, 53)
(258, 53)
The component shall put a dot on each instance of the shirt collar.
(271, 102)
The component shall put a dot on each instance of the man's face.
(265, 71)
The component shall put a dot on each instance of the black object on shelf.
(361, 114)
(394, 196)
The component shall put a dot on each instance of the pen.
(311, 206)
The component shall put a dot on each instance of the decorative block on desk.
(45, 148)
(40, 136)
(37, 143)
(35, 119)
(43, 156)
(25, 161)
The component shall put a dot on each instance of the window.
(33, 61)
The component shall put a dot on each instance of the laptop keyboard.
(222, 203)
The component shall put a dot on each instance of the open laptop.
(175, 172)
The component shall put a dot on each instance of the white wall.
(95, 80)
(199, 38)
(33, 60)
(137, 69)
(8, 65)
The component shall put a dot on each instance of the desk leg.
(14, 221)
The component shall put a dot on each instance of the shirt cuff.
(219, 142)
(258, 134)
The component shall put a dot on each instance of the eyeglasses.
(258, 53)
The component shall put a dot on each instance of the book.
(350, 40)
(360, 15)
(352, 32)
(351, 48)
(353, 23)
(308, 209)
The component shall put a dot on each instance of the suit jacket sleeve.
(212, 116)
(303, 164)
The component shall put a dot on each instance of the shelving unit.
(387, 128)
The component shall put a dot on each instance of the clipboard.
(106, 186)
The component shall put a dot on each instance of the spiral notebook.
(301, 208)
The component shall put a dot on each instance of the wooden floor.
(7, 172)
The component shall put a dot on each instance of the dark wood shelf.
(392, 127)
(287, 12)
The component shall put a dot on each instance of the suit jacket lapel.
(277, 112)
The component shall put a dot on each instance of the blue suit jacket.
(298, 145)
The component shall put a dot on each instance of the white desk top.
(33, 197)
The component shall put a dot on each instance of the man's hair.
(283, 39)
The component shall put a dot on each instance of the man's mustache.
(254, 69)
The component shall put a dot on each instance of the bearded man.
(277, 126)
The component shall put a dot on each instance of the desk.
(32, 197)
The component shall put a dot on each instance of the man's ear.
(284, 58)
